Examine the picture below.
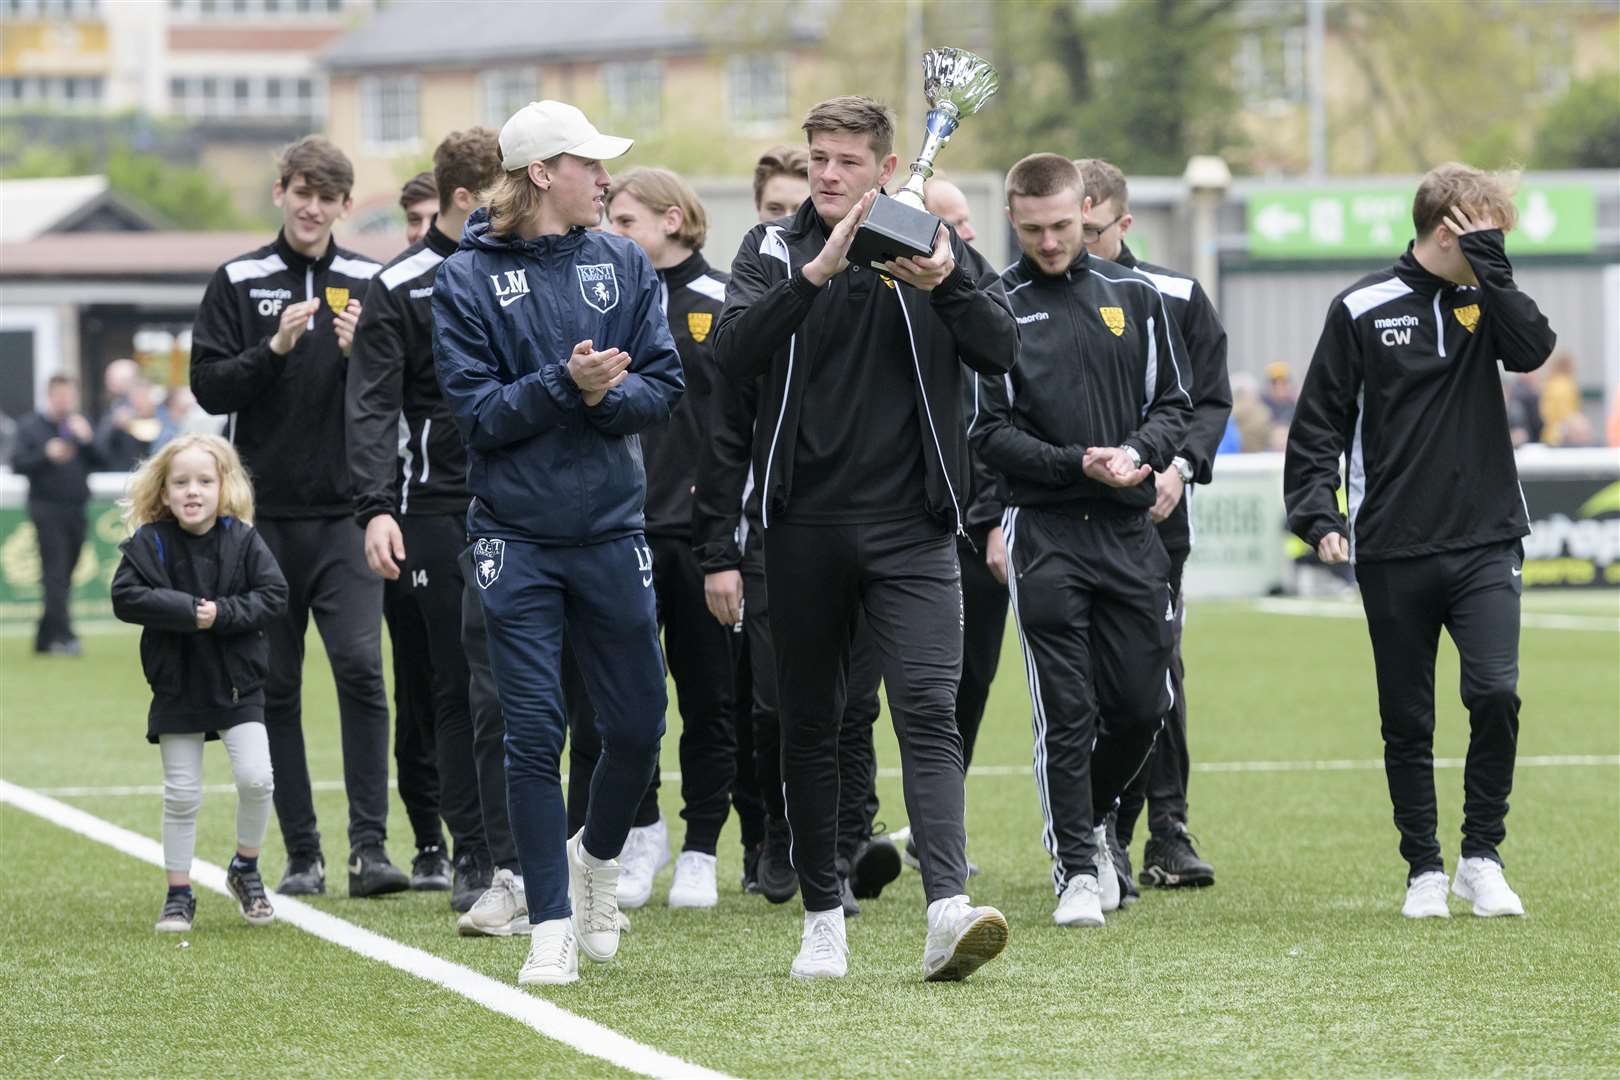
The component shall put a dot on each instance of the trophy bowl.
(956, 84)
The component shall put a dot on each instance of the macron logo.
(514, 288)
(1039, 316)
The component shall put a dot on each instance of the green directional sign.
(1327, 223)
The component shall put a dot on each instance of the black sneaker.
(430, 870)
(371, 874)
(472, 877)
(1170, 862)
(778, 881)
(876, 863)
(846, 895)
(305, 876)
(750, 873)
(248, 888)
(911, 859)
(178, 911)
(1128, 892)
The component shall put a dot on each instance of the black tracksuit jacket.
(1100, 363)
(771, 325)
(1205, 338)
(725, 502)
(405, 454)
(287, 412)
(67, 482)
(1404, 382)
(693, 294)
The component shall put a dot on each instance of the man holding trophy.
(859, 334)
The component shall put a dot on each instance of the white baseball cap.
(543, 129)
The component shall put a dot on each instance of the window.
(243, 97)
(757, 85)
(53, 92)
(388, 111)
(1271, 64)
(633, 93)
(504, 91)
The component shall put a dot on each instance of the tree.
(1581, 130)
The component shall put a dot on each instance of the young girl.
(203, 584)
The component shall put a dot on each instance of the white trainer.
(961, 939)
(823, 948)
(553, 955)
(593, 890)
(694, 885)
(1107, 876)
(1080, 904)
(502, 911)
(1426, 897)
(1481, 882)
(646, 851)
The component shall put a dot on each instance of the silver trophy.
(956, 84)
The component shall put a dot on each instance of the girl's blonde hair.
(146, 501)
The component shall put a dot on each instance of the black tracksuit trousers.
(903, 576)
(432, 580)
(414, 751)
(745, 793)
(59, 528)
(984, 622)
(1162, 782)
(1474, 594)
(1091, 592)
(857, 799)
(324, 561)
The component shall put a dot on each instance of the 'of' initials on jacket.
(507, 312)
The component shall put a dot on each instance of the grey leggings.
(249, 751)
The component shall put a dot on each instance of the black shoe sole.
(430, 884)
(875, 866)
(1159, 878)
(360, 891)
(287, 888)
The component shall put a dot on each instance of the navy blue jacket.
(507, 313)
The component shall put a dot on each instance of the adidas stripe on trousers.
(1091, 593)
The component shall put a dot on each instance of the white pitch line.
(1544, 761)
(551, 1021)
(1345, 609)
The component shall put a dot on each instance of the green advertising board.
(1331, 223)
(20, 595)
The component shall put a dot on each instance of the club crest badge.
(1114, 319)
(337, 299)
(1468, 316)
(698, 323)
(488, 557)
(599, 285)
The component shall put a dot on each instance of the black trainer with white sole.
(430, 870)
(371, 874)
(179, 909)
(248, 888)
(305, 876)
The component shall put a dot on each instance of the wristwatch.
(1184, 467)
(1136, 458)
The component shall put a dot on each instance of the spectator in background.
(1526, 396)
(1560, 399)
(1577, 431)
(419, 198)
(8, 439)
(55, 451)
(182, 414)
(1250, 414)
(1280, 393)
(132, 429)
(1519, 415)
(118, 381)
(1614, 420)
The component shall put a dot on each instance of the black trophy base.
(893, 230)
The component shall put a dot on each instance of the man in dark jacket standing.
(857, 456)
(1096, 405)
(55, 452)
(1404, 384)
(1168, 860)
(553, 353)
(271, 349)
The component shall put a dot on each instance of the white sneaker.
(502, 911)
(553, 955)
(1107, 876)
(646, 851)
(823, 948)
(694, 884)
(1080, 904)
(594, 893)
(961, 939)
(1481, 881)
(1426, 897)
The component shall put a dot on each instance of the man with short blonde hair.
(1404, 383)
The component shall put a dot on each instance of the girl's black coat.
(252, 592)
